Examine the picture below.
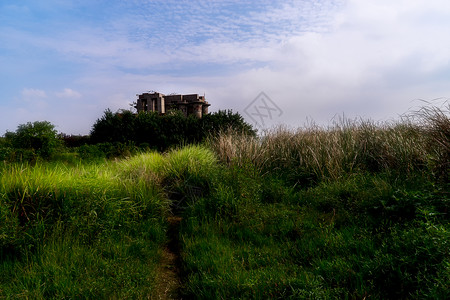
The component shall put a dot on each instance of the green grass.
(66, 267)
(92, 230)
(358, 210)
(342, 240)
(82, 231)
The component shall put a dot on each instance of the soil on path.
(169, 281)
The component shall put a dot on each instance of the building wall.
(157, 102)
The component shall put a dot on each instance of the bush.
(5, 153)
(90, 152)
(160, 132)
(225, 119)
(39, 138)
(72, 141)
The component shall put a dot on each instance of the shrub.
(5, 153)
(38, 137)
(161, 132)
(90, 152)
(224, 120)
(72, 141)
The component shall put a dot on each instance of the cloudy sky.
(66, 61)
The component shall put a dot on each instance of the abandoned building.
(191, 104)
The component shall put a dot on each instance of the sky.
(274, 62)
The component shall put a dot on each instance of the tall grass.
(314, 153)
(351, 211)
(81, 231)
(93, 230)
(435, 124)
(181, 174)
(355, 210)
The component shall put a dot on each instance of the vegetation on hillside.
(356, 210)
(80, 232)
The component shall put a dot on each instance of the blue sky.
(67, 61)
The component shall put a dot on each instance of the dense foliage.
(161, 132)
(117, 134)
(31, 140)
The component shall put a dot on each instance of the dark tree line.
(116, 134)
(162, 131)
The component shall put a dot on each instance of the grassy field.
(358, 210)
(84, 231)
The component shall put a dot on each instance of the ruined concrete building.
(191, 104)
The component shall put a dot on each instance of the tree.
(164, 131)
(39, 137)
(114, 127)
(224, 120)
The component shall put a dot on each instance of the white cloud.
(363, 59)
(314, 58)
(68, 93)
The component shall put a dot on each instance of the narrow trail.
(169, 281)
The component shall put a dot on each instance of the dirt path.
(169, 283)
